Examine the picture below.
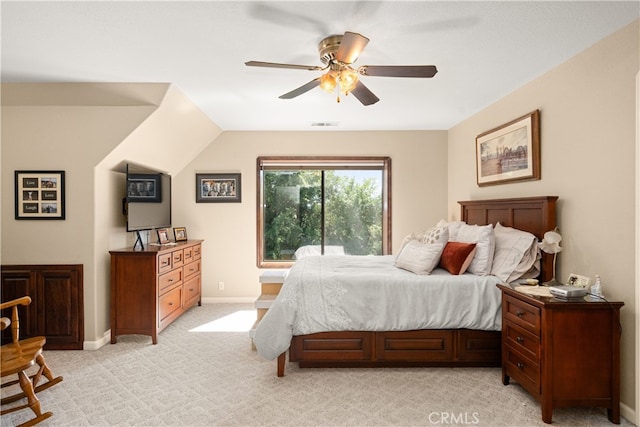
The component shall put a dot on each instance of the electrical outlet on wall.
(221, 286)
(578, 280)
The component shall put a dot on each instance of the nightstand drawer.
(522, 314)
(522, 370)
(522, 340)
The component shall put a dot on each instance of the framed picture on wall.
(218, 188)
(144, 188)
(510, 152)
(39, 195)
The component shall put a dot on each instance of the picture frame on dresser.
(163, 236)
(510, 152)
(180, 234)
(39, 195)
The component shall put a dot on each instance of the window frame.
(320, 162)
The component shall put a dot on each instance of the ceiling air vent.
(324, 124)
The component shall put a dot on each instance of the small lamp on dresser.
(551, 245)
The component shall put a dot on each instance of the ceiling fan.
(338, 53)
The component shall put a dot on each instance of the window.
(322, 205)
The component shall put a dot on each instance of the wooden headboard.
(537, 215)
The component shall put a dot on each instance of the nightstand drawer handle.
(519, 313)
(520, 339)
(520, 365)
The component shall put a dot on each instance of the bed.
(341, 327)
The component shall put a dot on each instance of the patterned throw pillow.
(435, 235)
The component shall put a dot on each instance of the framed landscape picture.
(510, 152)
(218, 188)
(39, 195)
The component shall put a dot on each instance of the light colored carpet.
(203, 372)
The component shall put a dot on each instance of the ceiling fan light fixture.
(328, 81)
(339, 53)
(348, 80)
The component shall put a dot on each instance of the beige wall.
(39, 133)
(88, 130)
(588, 120)
(418, 163)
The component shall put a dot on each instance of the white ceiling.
(483, 51)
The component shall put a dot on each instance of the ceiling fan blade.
(351, 46)
(302, 89)
(398, 70)
(277, 65)
(364, 95)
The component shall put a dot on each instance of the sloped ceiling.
(483, 51)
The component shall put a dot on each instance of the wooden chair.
(17, 357)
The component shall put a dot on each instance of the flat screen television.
(147, 205)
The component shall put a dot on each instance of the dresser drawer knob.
(519, 313)
(520, 365)
(170, 304)
(520, 339)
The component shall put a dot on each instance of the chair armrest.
(19, 301)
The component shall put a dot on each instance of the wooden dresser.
(565, 353)
(151, 288)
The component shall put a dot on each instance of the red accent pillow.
(457, 256)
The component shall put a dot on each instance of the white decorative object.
(551, 245)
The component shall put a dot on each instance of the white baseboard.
(106, 338)
(95, 345)
(229, 300)
(627, 413)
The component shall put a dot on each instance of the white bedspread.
(367, 293)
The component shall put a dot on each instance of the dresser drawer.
(188, 255)
(191, 289)
(192, 268)
(196, 251)
(170, 279)
(164, 263)
(522, 370)
(169, 303)
(522, 340)
(522, 314)
(177, 258)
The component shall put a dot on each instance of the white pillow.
(432, 235)
(483, 237)
(419, 258)
(515, 254)
(453, 227)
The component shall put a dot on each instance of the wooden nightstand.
(565, 353)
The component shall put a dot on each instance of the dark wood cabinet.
(151, 288)
(565, 353)
(56, 310)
